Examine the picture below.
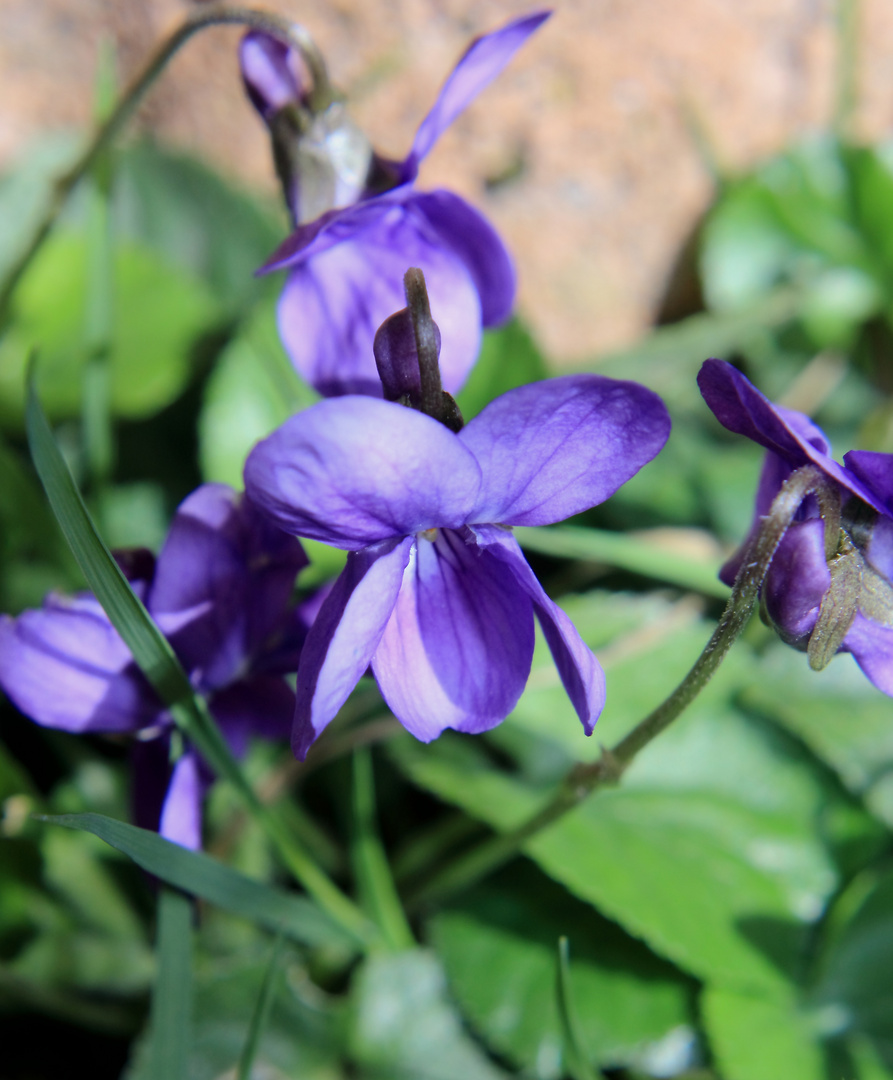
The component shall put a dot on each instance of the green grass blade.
(157, 661)
(376, 883)
(199, 874)
(636, 554)
(171, 1017)
(260, 1015)
(575, 1060)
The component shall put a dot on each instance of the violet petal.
(797, 580)
(272, 72)
(552, 449)
(181, 815)
(354, 471)
(875, 471)
(479, 246)
(741, 408)
(581, 674)
(65, 667)
(456, 651)
(260, 706)
(334, 302)
(345, 634)
(481, 63)
(223, 581)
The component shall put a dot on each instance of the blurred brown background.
(582, 153)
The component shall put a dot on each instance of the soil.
(588, 153)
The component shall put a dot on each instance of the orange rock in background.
(582, 152)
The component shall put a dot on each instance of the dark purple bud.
(397, 360)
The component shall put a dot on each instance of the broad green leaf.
(654, 555)
(197, 220)
(199, 874)
(708, 850)
(509, 358)
(170, 1020)
(840, 716)
(498, 947)
(160, 312)
(252, 390)
(404, 1027)
(755, 1038)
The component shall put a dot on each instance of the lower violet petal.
(457, 650)
(580, 672)
(181, 815)
(65, 667)
(872, 646)
(344, 636)
(797, 580)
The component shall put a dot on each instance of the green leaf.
(196, 219)
(202, 876)
(252, 390)
(171, 1015)
(403, 1026)
(652, 555)
(753, 1038)
(159, 314)
(509, 357)
(708, 850)
(840, 716)
(498, 947)
(373, 874)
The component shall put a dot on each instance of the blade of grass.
(575, 1060)
(157, 660)
(260, 1015)
(171, 1016)
(376, 883)
(199, 874)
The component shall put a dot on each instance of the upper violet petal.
(344, 636)
(581, 674)
(875, 471)
(181, 814)
(482, 62)
(66, 667)
(353, 471)
(552, 449)
(273, 74)
(741, 408)
(480, 248)
(334, 302)
(456, 651)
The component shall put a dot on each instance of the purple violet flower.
(346, 267)
(220, 591)
(800, 578)
(437, 596)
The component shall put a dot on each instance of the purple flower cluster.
(346, 266)
(220, 591)
(849, 597)
(436, 597)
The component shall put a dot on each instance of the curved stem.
(266, 21)
(583, 780)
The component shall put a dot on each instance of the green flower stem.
(213, 15)
(583, 780)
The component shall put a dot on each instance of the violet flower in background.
(346, 267)
(800, 578)
(437, 596)
(221, 593)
